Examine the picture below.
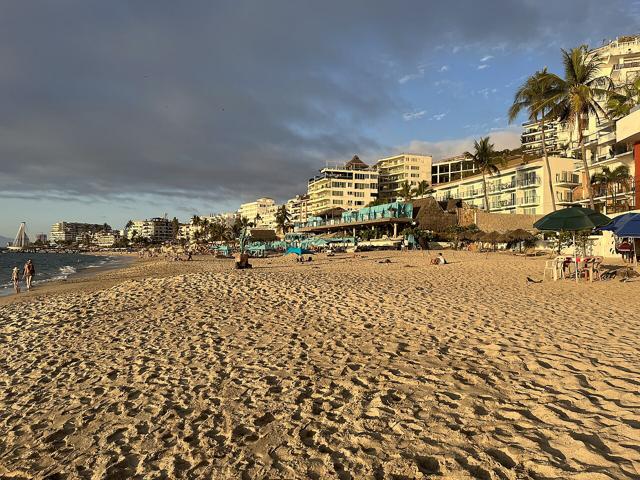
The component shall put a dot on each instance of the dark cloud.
(229, 98)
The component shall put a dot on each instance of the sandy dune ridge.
(340, 368)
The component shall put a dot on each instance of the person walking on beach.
(29, 272)
(15, 278)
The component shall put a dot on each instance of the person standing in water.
(29, 272)
(15, 278)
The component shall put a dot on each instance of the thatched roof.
(356, 164)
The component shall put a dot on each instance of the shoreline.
(84, 276)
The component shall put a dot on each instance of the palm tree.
(283, 218)
(405, 191)
(578, 95)
(423, 189)
(611, 179)
(535, 95)
(621, 102)
(195, 220)
(486, 160)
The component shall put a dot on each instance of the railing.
(620, 66)
(529, 200)
(503, 203)
(500, 187)
(530, 181)
(564, 197)
(567, 177)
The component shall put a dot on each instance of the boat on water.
(21, 242)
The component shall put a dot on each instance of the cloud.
(444, 68)
(220, 102)
(438, 116)
(505, 138)
(486, 58)
(413, 115)
(482, 66)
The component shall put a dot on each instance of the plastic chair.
(551, 266)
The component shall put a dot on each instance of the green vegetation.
(486, 160)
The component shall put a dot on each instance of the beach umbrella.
(572, 219)
(627, 225)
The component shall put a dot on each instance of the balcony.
(567, 179)
(503, 204)
(529, 200)
(564, 198)
(606, 137)
(529, 182)
(501, 187)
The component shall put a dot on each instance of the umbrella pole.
(575, 254)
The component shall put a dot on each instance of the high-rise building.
(298, 209)
(262, 212)
(394, 171)
(71, 231)
(155, 230)
(349, 186)
(620, 61)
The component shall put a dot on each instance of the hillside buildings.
(349, 186)
(394, 171)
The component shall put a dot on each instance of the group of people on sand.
(28, 272)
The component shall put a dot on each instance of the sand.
(340, 368)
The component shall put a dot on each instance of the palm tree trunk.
(585, 165)
(486, 195)
(546, 162)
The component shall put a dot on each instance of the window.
(415, 168)
(338, 184)
(337, 193)
(358, 194)
(337, 202)
(361, 176)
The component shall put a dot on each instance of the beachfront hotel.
(452, 168)
(74, 231)
(621, 63)
(261, 212)
(155, 229)
(348, 186)
(298, 209)
(394, 171)
(520, 187)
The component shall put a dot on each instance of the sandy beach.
(375, 366)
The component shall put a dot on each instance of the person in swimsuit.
(15, 278)
(29, 272)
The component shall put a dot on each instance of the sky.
(123, 110)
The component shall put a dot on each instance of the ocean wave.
(67, 270)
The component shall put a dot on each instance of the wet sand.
(344, 367)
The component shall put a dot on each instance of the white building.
(394, 171)
(262, 212)
(298, 209)
(520, 187)
(621, 63)
(72, 231)
(155, 230)
(106, 239)
(450, 169)
(349, 186)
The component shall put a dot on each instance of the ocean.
(49, 266)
